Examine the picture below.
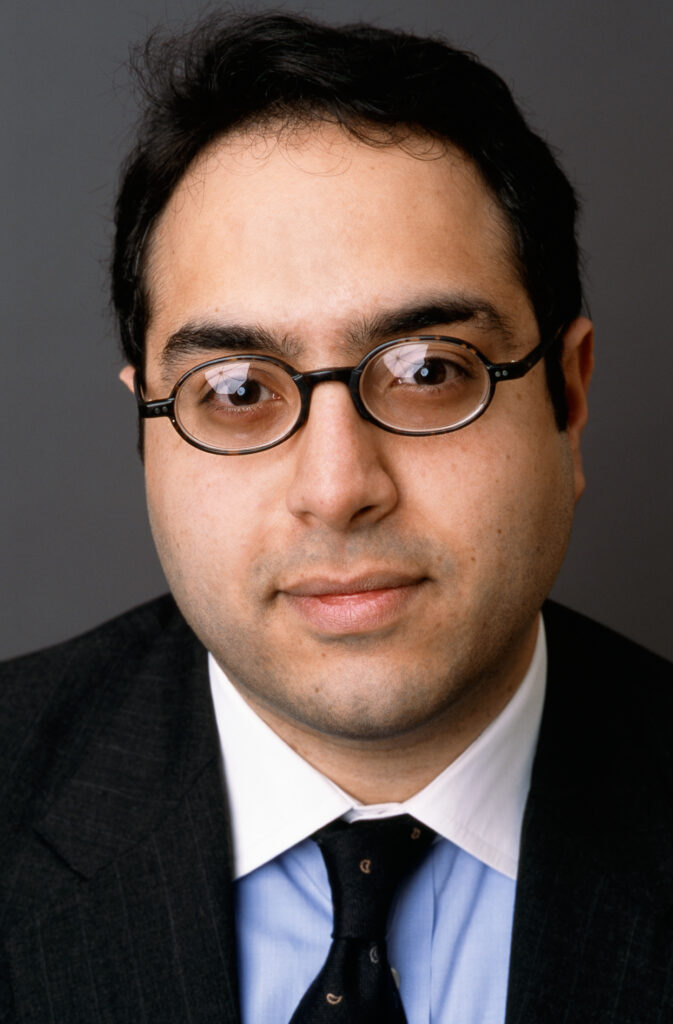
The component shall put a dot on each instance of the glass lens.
(237, 404)
(424, 385)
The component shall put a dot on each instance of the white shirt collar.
(277, 799)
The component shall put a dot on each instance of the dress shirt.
(450, 924)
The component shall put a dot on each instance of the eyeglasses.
(430, 384)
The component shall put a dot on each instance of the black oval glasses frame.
(348, 375)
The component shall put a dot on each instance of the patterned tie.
(365, 862)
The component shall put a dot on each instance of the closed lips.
(326, 587)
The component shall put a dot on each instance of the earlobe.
(578, 362)
(126, 376)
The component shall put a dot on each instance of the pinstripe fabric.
(593, 924)
(115, 867)
(135, 944)
(120, 902)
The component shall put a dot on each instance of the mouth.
(351, 605)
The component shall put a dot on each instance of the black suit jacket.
(115, 855)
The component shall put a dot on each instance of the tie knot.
(366, 861)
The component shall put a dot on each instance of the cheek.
(501, 501)
(209, 514)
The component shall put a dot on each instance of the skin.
(374, 597)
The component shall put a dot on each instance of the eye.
(238, 386)
(248, 393)
(437, 371)
(419, 367)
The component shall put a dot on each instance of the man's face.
(353, 582)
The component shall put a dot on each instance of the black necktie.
(365, 862)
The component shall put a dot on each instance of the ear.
(577, 363)
(127, 376)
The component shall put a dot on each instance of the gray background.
(595, 77)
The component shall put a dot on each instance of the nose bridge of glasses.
(348, 375)
(338, 374)
(341, 374)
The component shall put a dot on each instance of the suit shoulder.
(606, 692)
(140, 624)
(603, 649)
(41, 691)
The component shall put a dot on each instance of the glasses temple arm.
(519, 367)
(149, 410)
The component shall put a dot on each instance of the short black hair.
(236, 71)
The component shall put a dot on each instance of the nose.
(341, 478)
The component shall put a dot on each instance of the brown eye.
(436, 371)
(246, 394)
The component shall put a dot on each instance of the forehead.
(306, 231)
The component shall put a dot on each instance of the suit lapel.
(593, 928)
(145, 911)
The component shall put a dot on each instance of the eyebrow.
(431, 311)
(195, 339)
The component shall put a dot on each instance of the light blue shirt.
(451, 922)
(449, 936)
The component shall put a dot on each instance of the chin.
(362, 709)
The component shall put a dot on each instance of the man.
(346, 279)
